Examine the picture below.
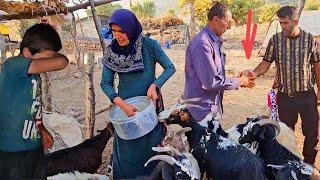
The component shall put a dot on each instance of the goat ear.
(262, 133)
(270, 132)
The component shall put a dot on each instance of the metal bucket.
(138, 125)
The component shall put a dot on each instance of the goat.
(285, 137)
(294, 170)
(177, 166)
(84, 157)
(183, 165)
(270, 150)
(176, 135)
(218, 156)
(77, 176)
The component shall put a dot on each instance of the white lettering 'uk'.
(34, 133)
(26, 129)
(29, 130)
(34, 88)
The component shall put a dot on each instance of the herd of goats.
(258, 149)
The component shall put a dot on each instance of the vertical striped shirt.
(294, 59)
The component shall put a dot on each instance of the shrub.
(267, 12)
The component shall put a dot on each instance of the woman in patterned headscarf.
(133, 57)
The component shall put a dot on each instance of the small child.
(22, 134)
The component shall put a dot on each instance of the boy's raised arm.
(47, 61)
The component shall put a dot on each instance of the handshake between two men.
(247, 78)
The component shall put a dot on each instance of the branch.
(29, 15)
(97, 25)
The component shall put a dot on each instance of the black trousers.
(304, 104)
(24, 165)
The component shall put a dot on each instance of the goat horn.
(191, 100)
(164, 158)
(167, 148)
(279, 167)
(272, 122)
(194, 101)
(167, 112)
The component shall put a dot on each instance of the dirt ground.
(68, 91)
(68, 94)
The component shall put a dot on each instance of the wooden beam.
(89, 97)
(31, 15)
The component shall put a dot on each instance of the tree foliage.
(267, 12)
(145, 10)
(283, 2)
(171, 12)
(201, 9)
(239, 8)
(312, 5)
(26, 24)
(106, 9)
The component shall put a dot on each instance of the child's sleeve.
(17, 67)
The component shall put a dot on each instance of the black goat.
(183, 164)
(163, 171)
(176, 166)
(270, 150)
(218, 156)
(84, 157)
(294, 170)
(285, 135)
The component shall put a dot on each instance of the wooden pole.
(89, 96)
(98, 25)
(47, 92)
(192, 19)
(3, 47)
(76, 47)
(301, 6)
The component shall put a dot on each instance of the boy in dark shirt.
(22, 134)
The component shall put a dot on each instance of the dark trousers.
(24, 165)
(305, 104)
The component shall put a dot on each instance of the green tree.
(105, 9)
(267, 12)
(145, 10)
(312, 5)
(171, 12)
(197, 9)
(239, 8)
(26, 24)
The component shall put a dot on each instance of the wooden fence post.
(89, 96)
(47, 92)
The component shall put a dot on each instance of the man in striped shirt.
(297, 62)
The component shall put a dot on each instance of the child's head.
(40, 37)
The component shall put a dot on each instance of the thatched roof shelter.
(29, 9)
(160, 23)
